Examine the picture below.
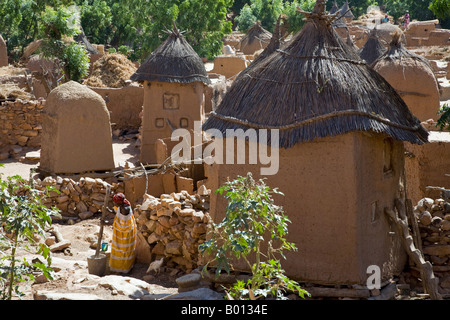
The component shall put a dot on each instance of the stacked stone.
(20, 123)
(78, 199)
(174, 226)
(434, 225)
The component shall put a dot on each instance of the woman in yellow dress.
(123, 245)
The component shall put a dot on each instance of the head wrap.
(119, 198)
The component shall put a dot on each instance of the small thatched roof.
(334, 8)
(372, 49)
(256, 33)
(397, 51)
(173, 61)
(314, 87)
(346, 11)
(275, 43)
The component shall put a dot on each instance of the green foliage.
(443, 122)
(440, 8)
(141, 25)
(55, 27)
(268, 11)
(238, 5)
(294, 19)
(125, 50)
(96, 19)
(58, 23)
(75, 62)
(252, 223)
(246, 19)
(19, 21)
(22, 215)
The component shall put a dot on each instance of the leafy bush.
(76, 62)
(246, 19)
(56, 29)
(252, 222)
(443, 122)
(22, 215)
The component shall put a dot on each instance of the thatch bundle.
(11, 91)
(350, 43)
(397, 51)
(256, 38)
(372, 49)
(412, 76)
(173, 61)
(315, 87)
(385, 32)
(110, 71)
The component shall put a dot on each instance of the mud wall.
(124, 105)
(335, 190)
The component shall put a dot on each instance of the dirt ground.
(74, 276)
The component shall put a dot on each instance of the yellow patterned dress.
(123, 246)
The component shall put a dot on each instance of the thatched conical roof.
(397, 51)
(373, 48)
(334, 8)
(275, 43)
(346, 11)
(255, 33)
(173, 61)
(315, 87)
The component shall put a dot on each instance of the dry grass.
(11, 71)
(12, 91)
(111, 71)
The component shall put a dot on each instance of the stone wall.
(20, 123)
(172, 226)
(78, 199)
(434, 225)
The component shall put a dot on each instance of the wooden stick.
(399, 217)
(102, 221)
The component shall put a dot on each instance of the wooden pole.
(400, 218)
(102, 221)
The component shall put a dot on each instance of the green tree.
(253, 226)
(294, 19)
(441, 8)
(142, 25)
(246, 18)
(96, 19)
(266, 11)
(56, 28)
(19, 21)
(22, 216)
(238, 5)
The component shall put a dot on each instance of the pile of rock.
(78, 199)
(174, 225)
(20, 123)
(434, 225)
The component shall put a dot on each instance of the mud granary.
(341, 154)
(174, 79)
